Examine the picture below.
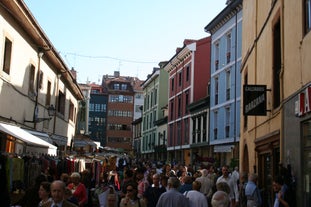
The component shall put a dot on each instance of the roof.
(222, 17)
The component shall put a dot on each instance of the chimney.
(73, 73)
(116, 74)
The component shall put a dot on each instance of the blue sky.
(98, 37)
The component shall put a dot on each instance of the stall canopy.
(33, 143)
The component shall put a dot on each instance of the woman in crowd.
(78, 189)
(131, 199)
(44, 194)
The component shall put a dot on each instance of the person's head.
(223, 186)
(277, 183)
(253, 177)
(156, 179)
(140, 173)
(44, 190)
(131, 190)
(65, 177)
(220, 199)
(75, 177)
(225, 171)
(58, 190)
(173, 182)
(204, 172)
(196, 185)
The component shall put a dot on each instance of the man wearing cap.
(206, 184)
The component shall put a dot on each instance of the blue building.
(225, 88)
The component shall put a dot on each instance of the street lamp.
(36, 119)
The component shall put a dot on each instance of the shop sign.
(254, 99)
(302, 106)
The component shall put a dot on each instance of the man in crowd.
(57, 193)
(234, 193)
(154, 191)
(173, 197)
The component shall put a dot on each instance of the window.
(307, 16)
(48, 94)
(7, 56)
(179, 106)
(71, 110)
(187, 73)
(276, 64)
(123, 87)
(216, 55)
(228, 83)
(204, 130)
(216, 91)
(116, 86)
(61, 103)
(155, 96)
(172, 84)
(187, 100)
(215, 125)
(228, 47)
(179, 78)
(227, 128)
(172, 110)
(193, 129)
(31, 86)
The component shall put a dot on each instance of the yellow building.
(276, 55)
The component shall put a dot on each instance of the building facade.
(120, 90)
(153, 144)
(188, 72)
(276, 48)
(33, 80)
(98, 114)
(225, 88)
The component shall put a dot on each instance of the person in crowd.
(65, 178)
(234, 193)
(220, 199)
(196, 198)
(69, 197)
(173, 197)
(131, 199)
(186, 184)
(283, 197)
(206, 184)
(164, 180)
(154, 191)
(141, 181)
(223, 186)
(236, 175)
(128, 177)
(31, 197)
(252, 192)
(44, 194)
(242, 186)
(167, 170)
(58, 195)
(78, 189)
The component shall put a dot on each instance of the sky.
(98, 37)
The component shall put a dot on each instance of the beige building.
(33, 80)
(275, 125)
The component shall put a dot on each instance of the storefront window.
(306, 133)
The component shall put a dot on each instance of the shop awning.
(33, 143)
(41, 135)
(59, 140)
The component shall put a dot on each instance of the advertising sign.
(254, 100)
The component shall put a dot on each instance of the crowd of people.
(150, 185)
